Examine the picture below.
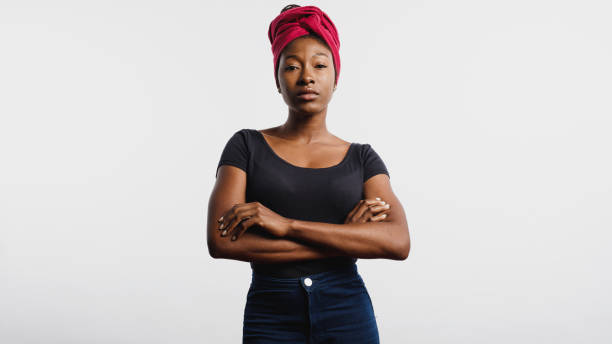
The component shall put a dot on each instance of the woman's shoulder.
(251, 133)
(244, 131)
(244, 134)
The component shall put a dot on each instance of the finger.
(371, 211)
(241, 214)
(225, 219)
(244, 225)
(362, 210)
(350, 216)
(227, 216)
(365, 217)
(229, 219)
(358, 211)
(374, 201)
(376, 209)
(379, 217)
(352, 212)
(240, 227)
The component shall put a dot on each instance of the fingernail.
(378, 198)
(220, 219)
(221, 227)
(383, 202)
(387, 206)
(384, 215)
(233, 237)
(225, 232)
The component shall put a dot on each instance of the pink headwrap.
(300, 21)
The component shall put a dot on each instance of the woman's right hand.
(368, 210)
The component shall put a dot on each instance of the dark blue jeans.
(327, 307)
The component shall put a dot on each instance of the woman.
(312, 205)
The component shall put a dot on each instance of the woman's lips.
(308, 96)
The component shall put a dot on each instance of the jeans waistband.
(326, 276)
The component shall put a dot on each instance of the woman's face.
(305, 63)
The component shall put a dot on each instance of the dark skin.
(370, 230)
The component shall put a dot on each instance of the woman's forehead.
(303, 46)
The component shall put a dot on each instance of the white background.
(493, 118)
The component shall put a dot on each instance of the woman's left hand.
(242, 216)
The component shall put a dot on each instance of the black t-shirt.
(310, 194)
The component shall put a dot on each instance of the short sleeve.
(372, 163)
(235, 152)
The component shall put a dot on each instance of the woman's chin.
(308, 107)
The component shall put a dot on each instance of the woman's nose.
(306, 78)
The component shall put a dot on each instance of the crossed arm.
(307, 239)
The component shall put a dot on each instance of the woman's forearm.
(388, 240)
(257, 247)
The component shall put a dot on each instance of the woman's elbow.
(402, 250)
(216, 249)
(213, 251)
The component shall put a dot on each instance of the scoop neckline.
(269, 148)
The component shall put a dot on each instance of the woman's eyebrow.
(295, 56)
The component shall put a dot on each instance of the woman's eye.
(294, 67)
